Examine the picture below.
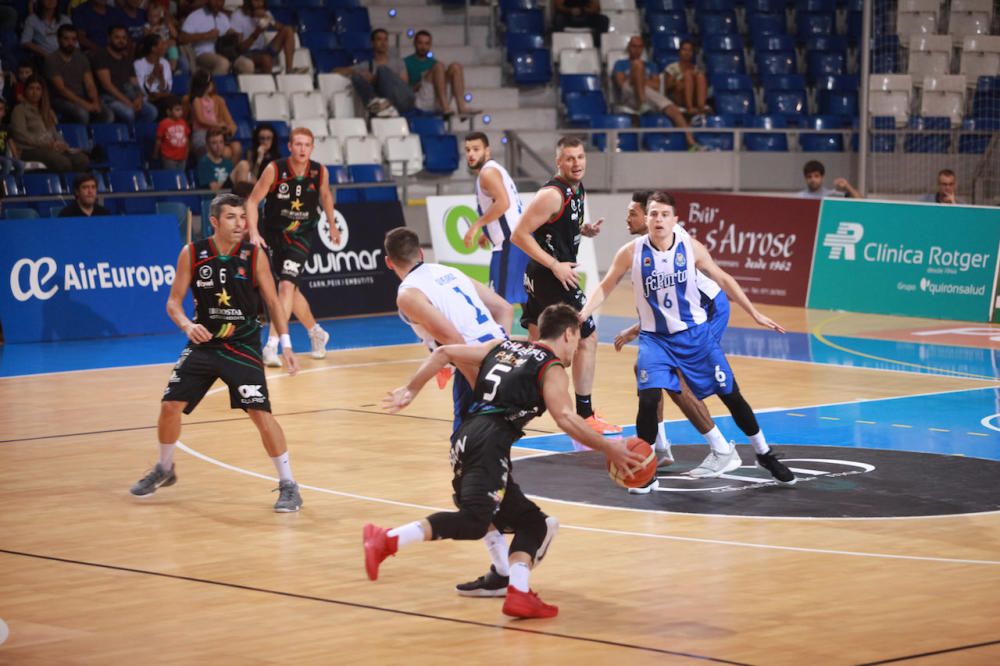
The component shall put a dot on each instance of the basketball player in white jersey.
(499, 206)
(446, 307)
(676, 339)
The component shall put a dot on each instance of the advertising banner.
(766, 243)
(918, 260)
(76, 278)
(351, 278)
(451, 216)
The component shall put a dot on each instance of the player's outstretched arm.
(620, 266)
(491, 182)
(279, 318)
(705, 263)
(555, 390)
(257, 195)
(175, 301)
(546, 203)
(468, 356)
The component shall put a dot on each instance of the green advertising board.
(918, 260)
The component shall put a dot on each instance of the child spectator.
(173, 136)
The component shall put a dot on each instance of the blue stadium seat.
(12, 187)
(773, 42)
(20, 212)
(731, 83)
(826, 43)
(569, 83)
(76, 135)
(670, 23)
(281, 130)
(518, 42)
(145, 136)
(173, 180)
(41, 184)
(225, 83)
(776, 62)
(243, 131)
(823, 143)
(107, 133)
(427, 125)
(627, 142)
(284, 15)
(440, 153)
(372, 173)
(977, 143)
(714, 5)
(317, 19)
(783, 82)
(124, 156)
(772, 142)
(327, 61)
(582, 107)
(238, 104)
(314, 37)
(132, 180)
(352, 19)
(810, 24)
(825, 63)
(349, 195)
(508, 6)
(181, 84)
(667, 42)
(926, 141)
(765, 24)
(717, 140)
(838, 95)
(302, 4)
(986, 103)
(532, 67)
(717, 23)
(531, 21)
(766, 6)
(338, 174)
(788, 103)
(661, 141)
(724, 62)
(885, 62)
(827, 6)
(661, 6)
(883, 142)
(735, 103)
(722, 43)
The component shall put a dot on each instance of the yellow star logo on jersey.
(223, 297)
(296, 205)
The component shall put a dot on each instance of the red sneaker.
(600, 426)
(443, 376)
(378, 546)
(526, 604)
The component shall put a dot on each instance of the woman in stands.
(685, 82)
(263, 151)
(152, 71)
(33, 127)
(206, 110)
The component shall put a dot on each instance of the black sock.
(583, 407)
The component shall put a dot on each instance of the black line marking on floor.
(960, 648)
(381, 609)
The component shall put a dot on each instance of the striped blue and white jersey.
(708, 286)
(499, 230)
(665, 285)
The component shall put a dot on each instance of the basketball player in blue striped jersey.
(676, 339)
(499, 206)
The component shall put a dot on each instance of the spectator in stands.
(8, 151)
(92, 19)
(132, 16)
(74, 93)
(116, 80)
(84, 198)
(639, 86)
(213, 167)
(814, 172)
(946, 189)
(203, 29)
(162, 24)
(381, 82)
(685, 82)
(152, 71)
(173, 136)
(263, 151)
(580, 14)
(207, 111)
(40, 28)
(25, 70)
(33, 127)
(431, 80)
(251, 20)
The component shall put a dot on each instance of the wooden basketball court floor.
(205, 573)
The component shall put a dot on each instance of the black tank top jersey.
(560, 236)
(226, 300)
(510, 381)
(293, 201)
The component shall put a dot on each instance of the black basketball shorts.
(237, 364)
(544, 290)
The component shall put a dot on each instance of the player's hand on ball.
(197, 333)
(290, 362)
(397, 399)
(621, 457)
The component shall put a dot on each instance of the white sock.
(316, 328)
(167, 455)
(407, 534)
(759, 443)
(717, 441)
(284, 466)
(519, 573)
(272, 342)
(496, 544)
(662, 443)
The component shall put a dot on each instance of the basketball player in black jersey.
(228, 277)
(516, 381)
(549, 233)
(292, 190)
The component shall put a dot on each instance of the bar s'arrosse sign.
(766, 243)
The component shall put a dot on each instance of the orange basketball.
(642, 473)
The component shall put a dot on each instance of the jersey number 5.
(493, 376)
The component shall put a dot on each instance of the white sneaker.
(318, 340)
(646, 489)
(270, 356)
(551, 527)
(664, 456)
(717, 464)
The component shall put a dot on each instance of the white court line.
(664, 537)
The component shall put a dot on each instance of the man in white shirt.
(814, 172)
(201, 29)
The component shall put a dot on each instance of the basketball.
(641, 473)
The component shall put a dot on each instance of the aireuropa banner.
(76, 278)
(351, 278)
(450, 217)
(919, 260)
(766, 243)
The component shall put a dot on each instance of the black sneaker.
(781, 474)
(490, 585)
